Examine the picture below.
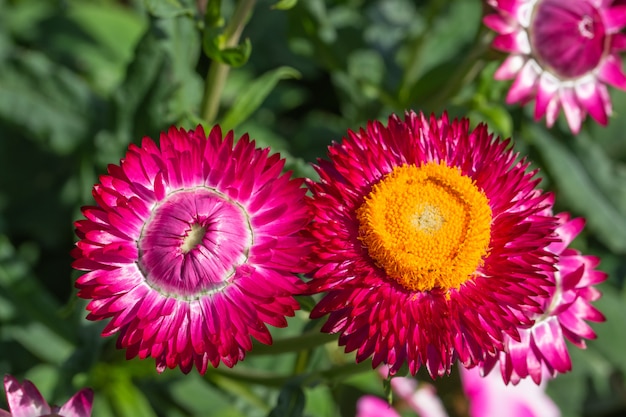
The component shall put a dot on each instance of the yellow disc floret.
(427, 227)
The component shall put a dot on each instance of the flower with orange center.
(431, 242)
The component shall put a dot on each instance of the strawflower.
(489, 397)
(431, 241)
(25, 400)
(192, 248)
(423, 400)
(562, 54)
(542, 349)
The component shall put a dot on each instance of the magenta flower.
(563, 53)
(423, 400)
(430, 240)
(26, 401)
(542, 349)
(192, 248)
(488, 397)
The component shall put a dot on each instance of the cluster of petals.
(562, 55)
(193, 247)
(25, 400)
(421, 399)
(377, 317)
(542, 350)
(486, 397)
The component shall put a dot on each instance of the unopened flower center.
(193, 243)
(193, 238)
(567, 37)
(427, 227)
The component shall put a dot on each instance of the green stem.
(218, 72)
(298, 343)
(270, 379)
(466, 72)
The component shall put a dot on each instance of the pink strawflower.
(489, 397)
(430, 240)
(542, 349)
(562, 54)
(192, 248)
(371, 406)
(423, 400)
(26, 401)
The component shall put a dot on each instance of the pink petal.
(370, 406)
(546, 91)
(510, 67)
(513, 42)
(79, 405)
(24, 400)
(611, 72)
(595, 98)
(523, 87)
(573, 112)
(614, 18)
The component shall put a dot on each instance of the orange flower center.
(427, 227)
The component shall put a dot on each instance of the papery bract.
(431, 241)
(562, 55)
(193, 248)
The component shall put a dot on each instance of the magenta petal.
(510, 67)
(524, 85)
(79, 405)
(614, 18)
(572, 109)
(546, 91)
(596, 100)
(24, 400)
(370, 406)
(512, 42)
(611, 72)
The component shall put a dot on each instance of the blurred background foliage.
(82, 79)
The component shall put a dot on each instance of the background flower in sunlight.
(430, 239)
(542, 349)
(488, 397)
(25, 400)
(192, 248)
(562, 54)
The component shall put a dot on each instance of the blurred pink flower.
(562, 54)
(26, 401)
(423, 400)
(542, 349)
(488, 397)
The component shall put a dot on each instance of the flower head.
(541, 349)
(192, 248)
(430, 240)
(562, 55)
(488, 396)
(26, 401)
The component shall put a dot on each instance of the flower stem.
(218, 72)
(298, 343)
(270, 379)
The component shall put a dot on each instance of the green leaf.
(41, 342)
(291, 401)
(168, 8)
(213, 16)
(252, 98)
(213, 45)
(284, 4)
(34, 85)
(161, 85)
(577, 188)
(127, 400)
